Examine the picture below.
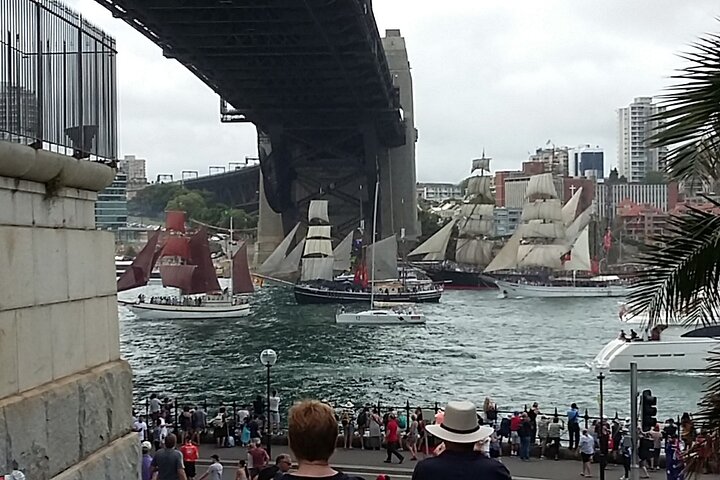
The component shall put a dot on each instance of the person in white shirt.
(587, 449)
(140, 426)
(274, 412)
(214, 471)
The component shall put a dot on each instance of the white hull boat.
(178, 312)
(666, 348)
(380, 317)
(516, 289)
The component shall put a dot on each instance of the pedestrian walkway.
(369, 464)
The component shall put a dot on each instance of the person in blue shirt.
(573, 426)
(460, 432)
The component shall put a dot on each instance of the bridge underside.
(237, 188)
(312, 75)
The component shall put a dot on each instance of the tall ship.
(549, 253)
(320, 272)
(457, 254)
(185, 263)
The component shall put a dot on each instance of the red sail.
(175, 220)
(179, 276)
(138, 273)
(176, 246)
(242, 280)
(204, 278)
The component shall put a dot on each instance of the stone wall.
(65, 394)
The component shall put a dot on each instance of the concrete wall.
(65, 394)
(397, 170)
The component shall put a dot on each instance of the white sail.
(291, 263)
(549, 210)
(319, 231)
(342, 254)
(434, 247)
(577, 226)
(541, 186)
(479, 187)
(318, 211)
(506, 259)
(385, 252)
(569, 210)
(481, 164)
(541, 229)
(318, 247)
(476, 219)
(276, 257)
(473, 251)
(317, 269)
(540, 255)
(580, 253)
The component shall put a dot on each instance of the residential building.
(635, 127)
(586, 161)
(18, 114)
(506, 220)
(554, 160)
(111, 204)
(641, 222)
(135, 169)
(438, 192)
(608, 195)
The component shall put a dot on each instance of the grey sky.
(502, 75)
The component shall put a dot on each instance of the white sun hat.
(460, 424)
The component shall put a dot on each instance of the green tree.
(430, 223)
(192, 203)
(681, 283)
(151, 200)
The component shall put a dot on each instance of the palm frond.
(682, 270)
(690, 124)
(708, 419)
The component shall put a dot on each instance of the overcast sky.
(506, 76)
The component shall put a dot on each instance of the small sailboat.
(375, 316)
(192, 272)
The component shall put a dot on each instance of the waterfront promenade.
(369, 464)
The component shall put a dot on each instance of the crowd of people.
(527, 433)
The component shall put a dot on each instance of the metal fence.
(57, 80)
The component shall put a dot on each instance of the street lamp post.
(603, 435)
(268, 357)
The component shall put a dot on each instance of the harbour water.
(474, 345)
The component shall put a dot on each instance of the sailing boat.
(190, 269)
(400, 315)
(457, 253)
(548, 250)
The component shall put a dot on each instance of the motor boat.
(211, 306)
(665, 347)
(394, 316)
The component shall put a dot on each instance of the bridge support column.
(270, 228)
(400, 165)
(65, 393)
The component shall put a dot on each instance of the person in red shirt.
(515, 423)
(392, 439)
(190, 455)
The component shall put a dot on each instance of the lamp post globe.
(268, 357)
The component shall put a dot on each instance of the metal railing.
(57, 80)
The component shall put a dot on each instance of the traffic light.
(649, 410)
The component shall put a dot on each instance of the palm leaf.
(681, 271)
(690, 124)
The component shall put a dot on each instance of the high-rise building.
(608, 195)
(135, 169)
(554, 159)
(111, 204)
(586, 161)
(635, 127)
